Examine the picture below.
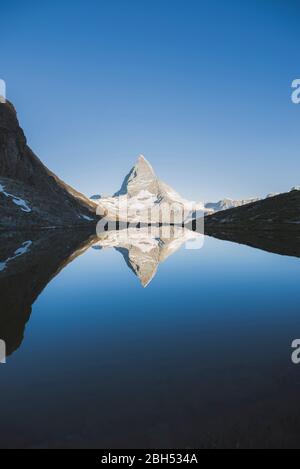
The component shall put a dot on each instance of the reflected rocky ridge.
(29, 261)
(283, 242)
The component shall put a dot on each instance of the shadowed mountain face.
(30, 194)
(28, 261)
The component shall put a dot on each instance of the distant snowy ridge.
(227, 203)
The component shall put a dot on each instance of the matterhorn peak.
(143, 195)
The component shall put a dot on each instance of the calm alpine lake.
(200, 357)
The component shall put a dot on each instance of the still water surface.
(199, 358)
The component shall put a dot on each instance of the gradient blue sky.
(201, 88)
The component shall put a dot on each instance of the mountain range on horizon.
(142, 190)
(208, 208)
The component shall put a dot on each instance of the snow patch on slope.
(19, 252)
(16, 200)
(85, 217)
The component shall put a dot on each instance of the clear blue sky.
(201, 88)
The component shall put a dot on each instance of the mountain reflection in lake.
(200, 358)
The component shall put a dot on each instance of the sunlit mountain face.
(144, 198)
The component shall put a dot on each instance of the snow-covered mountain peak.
(142, 178)
(141, 157)
(143, 197)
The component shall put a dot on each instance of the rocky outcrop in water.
(28, 262)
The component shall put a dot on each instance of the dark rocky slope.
(281, 212)
(272, 224)
(31, 196)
